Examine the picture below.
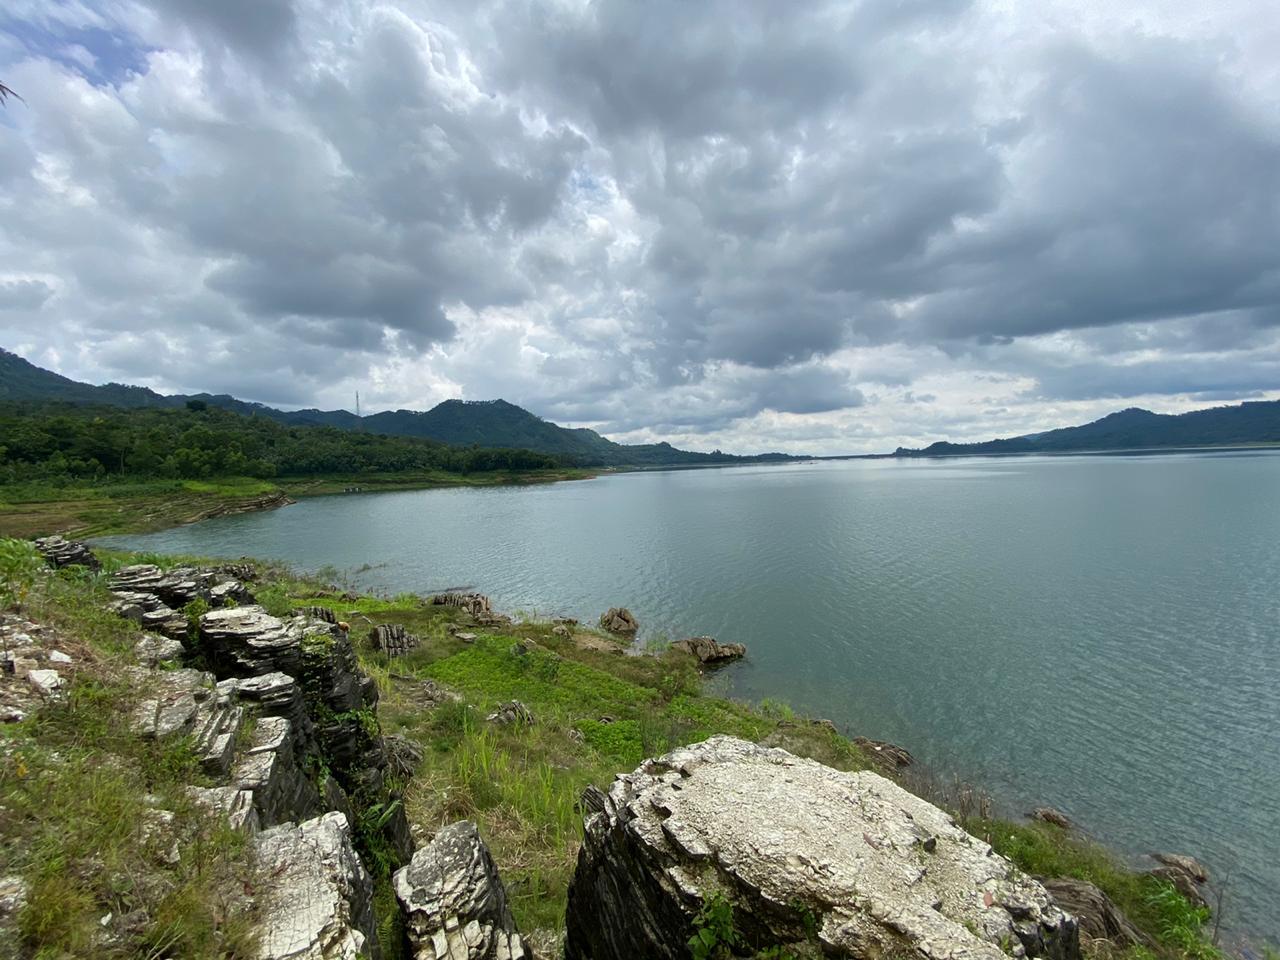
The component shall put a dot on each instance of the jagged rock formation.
(154, 598)
(619, 620)
(476, 604)
(317, 613)
(66, 553)
(454, 903)
(848, 862)
(711, 651)
(888, 755)
(319, 903)
(1099, 918)
(306, 671)
(392, 639)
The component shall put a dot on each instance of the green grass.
(81, 802)
(597, 713)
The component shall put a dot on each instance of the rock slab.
(454, 903)
(319, 905)
(849, 863)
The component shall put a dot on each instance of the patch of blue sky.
(103, 57)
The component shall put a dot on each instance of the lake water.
(1097, 633)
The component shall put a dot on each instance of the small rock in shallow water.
(1053, 816)
(619, 620)
(709, 650)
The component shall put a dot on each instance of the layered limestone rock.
(319, 902)
(392, 639)
(848, 862)
(154, 598)
(306, 671)
(476, 604)
(67, 553)
(454, 903)
(711, 651)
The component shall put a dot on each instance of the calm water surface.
(1097, 633)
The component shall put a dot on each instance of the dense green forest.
(73, 442)
(485, 423)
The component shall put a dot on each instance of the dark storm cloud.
(255, 26)
(721, 217)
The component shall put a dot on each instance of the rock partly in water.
(847, 862)
(1053, 816)
(1192, 867)
(710, 651)
(454, 903)
(67, 553)
(319, 903)
(619, 620)
(888, 755)
(1097, 915)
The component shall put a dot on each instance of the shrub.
(20, 563)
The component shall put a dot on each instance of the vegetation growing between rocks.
(596, 713)
(89, 811)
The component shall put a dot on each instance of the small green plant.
(714, 935)
(193, 611)
(20, 562)
(275, 600)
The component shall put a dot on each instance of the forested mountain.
(1135, 429)
(41, 441)
(486, 423)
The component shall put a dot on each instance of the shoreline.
(598, 713)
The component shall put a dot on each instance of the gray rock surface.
(454, 903)
(1097, 915)
(476, 604)
(319, 902)
(153, 649)
(619, 620)
(711, 651)
(804, 853)
(392, 639)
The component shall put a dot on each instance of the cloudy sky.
(821, 227)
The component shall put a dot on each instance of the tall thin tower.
(357, 403)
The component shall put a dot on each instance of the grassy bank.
(89, 509)
(597, 712)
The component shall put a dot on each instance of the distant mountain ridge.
(487, 423)
(1252, 422)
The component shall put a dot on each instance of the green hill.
(484, 423)
(1254, 422)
